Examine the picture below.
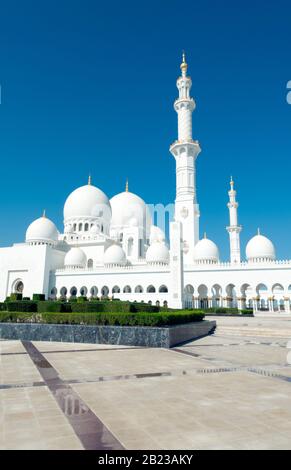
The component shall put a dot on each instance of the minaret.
(185, 150)
(234, 229)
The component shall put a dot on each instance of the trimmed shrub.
(7, 299)
(82, 299)
(26, 298)
(37, 297)
(139, 307)
(17, 317)
(22, 306)
(3, 306)
(15, 297)
(51, 306)
(124, 319)
(246, 311)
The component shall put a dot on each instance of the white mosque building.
(110, 247)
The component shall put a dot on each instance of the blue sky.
(88, 86)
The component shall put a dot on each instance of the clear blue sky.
(88, 86)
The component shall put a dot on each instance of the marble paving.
(231, 390)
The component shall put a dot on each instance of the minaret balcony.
(193, 145)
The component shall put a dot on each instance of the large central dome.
(129, 210)
(87, 201)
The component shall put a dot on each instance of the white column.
(176, 299)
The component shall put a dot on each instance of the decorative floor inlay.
(90, 430)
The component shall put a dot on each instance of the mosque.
(111, 248)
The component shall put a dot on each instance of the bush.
(142, 307)
(105, 318)
(37, 297)
(124, 319)
(247, 311)
(18, 317)
(51, 306)
(15, 297)
(26, 298)
(22, 306)
(3, 306)
(82, 299)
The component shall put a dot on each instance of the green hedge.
(22, 306)
(3, 306)
(15, 297)
(53, 306)
(106, 318)
(37, 297)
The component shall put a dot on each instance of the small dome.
(75, 258)
(157, 253)
(129, 210)
(114, 255)
(87, 201)
(206, 251)
(260, 248)
(42, 230)
(156, 234)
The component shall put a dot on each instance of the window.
(90, 263)
(151, 289)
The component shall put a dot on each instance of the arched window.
(73, 291)
(63, 291)
(138, 289)
(157, 303)
(115, 290)
(18, 287)
(104, 291)
(163, 289)
(54, 292)
(75, 227)
(151, 289)
(165, 304)
(90, 263)
(86, 228)
(80, 227)
(127, 289)
(83, 291)
(94, 291)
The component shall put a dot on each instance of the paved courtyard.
(231, 390)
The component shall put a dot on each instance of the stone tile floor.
(231, 390)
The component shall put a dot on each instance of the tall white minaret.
(234, 229)
(185, 150)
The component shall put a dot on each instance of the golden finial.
(184, 64)
(231, 182)
(89, 180)
(43, 214)
(126, 186)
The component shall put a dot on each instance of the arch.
(138, 289)
(86, 227)
(104, 291)
(63, 291)
(278, 294)
(80, 227)
(18, 286)
(202, 296)
(163, 289)
(261, 289)
(115, 290)
(90, 263)
(231, 300)
(289, 288)
(94, 291)
(83, 291)
(216, 291)
(157, 303)
(151, 289)
(165, 304)
(189, 289)
(73, 291)
(127, 290)
(54, 292)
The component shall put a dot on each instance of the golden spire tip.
(126, 186)
(43, 214)
(184, 64)
(89, 180)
